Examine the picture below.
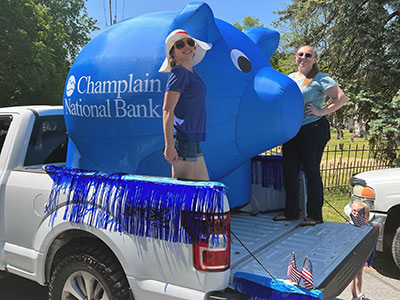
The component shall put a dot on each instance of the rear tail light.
(211, 253)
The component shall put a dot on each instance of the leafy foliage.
(385, 131)
(358, 44)
(280, 61)
(248, 22)
(38, 41)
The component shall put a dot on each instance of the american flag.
(358, 217)
(293, 274)
(307, 274)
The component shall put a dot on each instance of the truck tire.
(88, 272)
(396, 247)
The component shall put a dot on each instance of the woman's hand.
(170, 154)
(311, 109)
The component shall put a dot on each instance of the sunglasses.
(306, 55)
(181, 44)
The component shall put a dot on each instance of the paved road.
(380, 282)
(17, 288)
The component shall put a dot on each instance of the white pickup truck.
(79, 261)
(381, 190)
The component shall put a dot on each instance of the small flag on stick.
(358, 217)
(293, 274)
(307, 274)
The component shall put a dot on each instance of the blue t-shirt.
(314, 93)
(190, 111)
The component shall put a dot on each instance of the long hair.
(363, 204)
(172, 60)
(313, 72)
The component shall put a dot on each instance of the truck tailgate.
(336, 250)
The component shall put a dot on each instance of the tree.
(283, 61)
(385, 131)
(38, 41)
(358, 44)
(280, 61)
(248, 22)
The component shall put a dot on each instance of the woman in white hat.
(184, 111)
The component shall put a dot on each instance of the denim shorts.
(187, 150)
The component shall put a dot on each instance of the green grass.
(338, 198)
(346, 141)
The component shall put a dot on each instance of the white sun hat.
(179, 34)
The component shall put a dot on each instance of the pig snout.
(270, 114)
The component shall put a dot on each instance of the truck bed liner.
(336, 250)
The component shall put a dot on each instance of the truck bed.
(336, 250)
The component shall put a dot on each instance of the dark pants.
(305, 149)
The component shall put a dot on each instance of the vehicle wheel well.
(93, 269)
(67, 241)
(391, 225)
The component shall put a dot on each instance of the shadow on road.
(385, 265)
(13, 287)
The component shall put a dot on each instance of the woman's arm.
(170, 100)
(338, 100)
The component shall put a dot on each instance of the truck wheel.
(396, 247)
(88, 273)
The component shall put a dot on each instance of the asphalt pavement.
(380, 282)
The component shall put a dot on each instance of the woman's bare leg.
(200, 170)
(183, 169)
(191, 170)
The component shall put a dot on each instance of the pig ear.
(198, 20)
(266, 39)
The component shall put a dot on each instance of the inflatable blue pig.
(114, 94)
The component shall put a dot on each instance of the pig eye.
(240, 60)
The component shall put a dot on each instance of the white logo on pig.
(70, 85)
(117, 108)
(86, 85)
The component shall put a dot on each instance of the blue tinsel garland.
(271, 171)
(161, 208)
(262, 288)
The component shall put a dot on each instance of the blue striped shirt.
(190, 111)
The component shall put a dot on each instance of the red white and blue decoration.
(260, 288)
(358, 217)
(307, 274)
(293, 273)
(161, 208)
(114, 94)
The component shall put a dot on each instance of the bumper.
(378, 220)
